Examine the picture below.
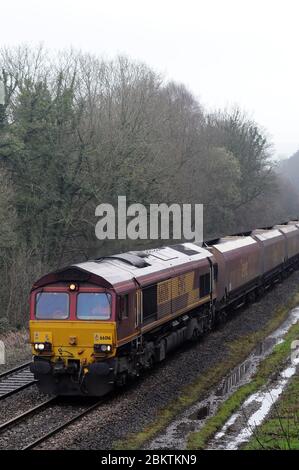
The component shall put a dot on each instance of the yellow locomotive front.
(73, 338)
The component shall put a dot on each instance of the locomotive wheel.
(196, 334)
(121, 379)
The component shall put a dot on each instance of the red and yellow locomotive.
(95, 324)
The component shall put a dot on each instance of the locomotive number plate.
(102, 338)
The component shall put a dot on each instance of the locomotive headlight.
(73, 287)
(102, 347)
(42, 346)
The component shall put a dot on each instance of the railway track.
(26, 414)
(60, 427)
(16, 379)
(20, 377)
(11, 426)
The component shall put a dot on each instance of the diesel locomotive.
(96, 324)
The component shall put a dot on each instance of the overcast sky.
(227, 52)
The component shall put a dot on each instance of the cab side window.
(123, 307)
(149, 303)
(204, 285)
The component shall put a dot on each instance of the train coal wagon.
(291, 235)
(273, 252)
(96, 324)
(239, 267)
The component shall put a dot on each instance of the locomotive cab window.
(52, 306)
(204, 285)
(93, 306)
(123, 312)
(149, 303)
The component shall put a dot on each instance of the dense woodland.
(76, 131)
(289, 169)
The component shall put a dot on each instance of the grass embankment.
(238, 351)
(270, 366)
(17, 348)
(281, 430)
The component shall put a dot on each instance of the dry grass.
(17, 348)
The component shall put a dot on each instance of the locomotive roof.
(120, 268)
(120, 271)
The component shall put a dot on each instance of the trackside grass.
(281, 430)
(270, 366)
(17, 348)
(238, 351)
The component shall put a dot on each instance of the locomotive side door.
(138, 309)
(128, 315)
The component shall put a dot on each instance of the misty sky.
(227, 52)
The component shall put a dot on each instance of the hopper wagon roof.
(267, 234)
(233, 243)
(287, 228)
